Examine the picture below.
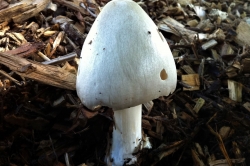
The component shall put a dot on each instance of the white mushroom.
(125, 61)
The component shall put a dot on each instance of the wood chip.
(224, 132)
(149, 105)
(247, 106)
(23, 10)
(235, 90)
(188, 69)
(47, 74)
(192, 80)
(243, 35)
(199, 104)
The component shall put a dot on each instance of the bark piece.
(209, 44)
(155, 135)
(25, 49)
(235, 90)
(149, 105)
(146, 124)
(224, 162)
(37, 124)
(199, 103)
(186, 117)
(188, 69)
(3, 4)
(172, 26)
(247, 106)
(159, 128)
(69, 68)
(165, 150)
(23, 10)
(192, 23)
(243, 35)
(59, 101)
(215, 13)
(246, 65)
(220, 141)
(46, 74)
(205, 25)
(215, 55)
(236, 150)
(226, 50)
(224, 132)
(192, 80)
(196, 158)
(74, 4)
(57, 41)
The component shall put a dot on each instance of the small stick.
(43, 56)
(220, 141)
(86, 8)
(61, 59)
(11, 78)
(71, 42)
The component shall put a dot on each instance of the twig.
(52, 145)
(11, 78)
(43, 56)
(90, 12)
(61, 59)
(71, 42)
(220, 141)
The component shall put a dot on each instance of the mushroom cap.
(125, 60)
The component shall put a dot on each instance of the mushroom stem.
(127, 135)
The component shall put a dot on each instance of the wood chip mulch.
(206, 121)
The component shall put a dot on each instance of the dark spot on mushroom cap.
(103, 48)
(149, 32)
(90, 41)
(163, 74)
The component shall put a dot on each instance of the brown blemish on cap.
(163, 74)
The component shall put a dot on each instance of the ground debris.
(206, 121)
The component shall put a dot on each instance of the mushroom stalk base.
(127, 136)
